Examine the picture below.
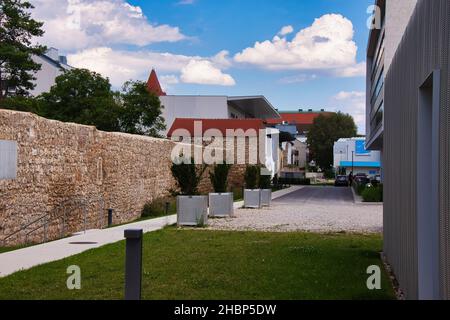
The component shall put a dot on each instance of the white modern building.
(216, 107)
(52, 66)
(209, 107)
(295, 153)
(350, 155)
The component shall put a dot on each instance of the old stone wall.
(74, 173)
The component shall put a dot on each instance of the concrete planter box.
(266, 197)
(221, 205)
(192, 210)
(252, 198)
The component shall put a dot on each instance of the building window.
(378, 87)
(377, 119)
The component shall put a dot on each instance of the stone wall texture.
(71, 174)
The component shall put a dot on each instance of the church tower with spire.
(154, 86)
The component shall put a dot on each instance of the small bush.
(187, 175)
(359, 188)
(219, 178)
(157, 208)
(251, 177)
(373, 194)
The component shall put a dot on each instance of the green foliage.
(373, 194)
(21, 103)
(141, 110)
(187, 175)
(17, 29)
(325, 131)
(359, 188)
(329, 173)
(157, 207)
(84, 97)
(251, 177)
(264, 181)
(219, 178)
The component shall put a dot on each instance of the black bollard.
(133, 264)
(110, 217)
(167, 208)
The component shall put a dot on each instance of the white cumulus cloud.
(326, 45)
(81, 24)
(122, 65)
(204, 72)
(286, 30)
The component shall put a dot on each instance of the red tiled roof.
(153, 84)
(298, 118)
(220, 124)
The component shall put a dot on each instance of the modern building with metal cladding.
(390, 22)
(417, 155)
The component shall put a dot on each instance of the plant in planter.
(191, 207)
(266, 191)
(252, 195)
(221, 201)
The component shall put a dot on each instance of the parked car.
(341, 181)
(361, 179)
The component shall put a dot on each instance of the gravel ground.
(312, 209)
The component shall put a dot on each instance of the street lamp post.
(353, 162)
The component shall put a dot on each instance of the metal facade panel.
(424, 48)
(8, 159)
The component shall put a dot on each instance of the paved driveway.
(319, 195)
(312, 209)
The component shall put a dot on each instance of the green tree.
(21, 103)
(141, 110)
(84, 97)
(17, 29)
(325, 131)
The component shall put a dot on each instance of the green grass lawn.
(6, 249)
(189, 264)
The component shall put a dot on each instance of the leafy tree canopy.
(325, 131)
(141, 110)
(17, 29)
(84, 97)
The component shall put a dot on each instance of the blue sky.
(208, 46)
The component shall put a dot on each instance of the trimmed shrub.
(219, 178)
(251, 177)
(187, 175)
(373, 194)
(157, 207)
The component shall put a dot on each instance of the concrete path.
(26, 258)
(311, 209)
